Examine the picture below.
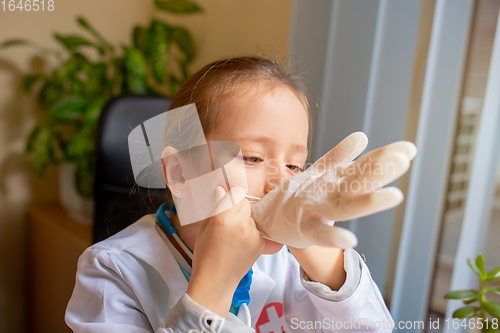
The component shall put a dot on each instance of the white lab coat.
(131, 282)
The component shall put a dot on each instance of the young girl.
(144, 280)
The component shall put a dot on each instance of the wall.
(239, 28)
(226, 28)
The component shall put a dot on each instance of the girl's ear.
(173, 172)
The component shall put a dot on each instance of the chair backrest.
(118, 200)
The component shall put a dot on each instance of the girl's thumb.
(227, 200)
(220, 192)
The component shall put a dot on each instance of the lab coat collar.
(156, 254)
(260, 290)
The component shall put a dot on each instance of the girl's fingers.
(347, 208)
(346, 151)
(231, 201)
(371, 176)
(406, 148)
(326, 235)
(220, 192)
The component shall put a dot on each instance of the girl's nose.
(275, 176)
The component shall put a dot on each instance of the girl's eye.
(252, 159)
(294, 168)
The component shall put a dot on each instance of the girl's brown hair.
(213, 84)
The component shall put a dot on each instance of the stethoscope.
(241, 296)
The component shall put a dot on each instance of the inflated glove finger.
(363, 205)
(372, 174)
(406, 148)
(342, 154)
(323, 233)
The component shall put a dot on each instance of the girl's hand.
(300, 211)
(227, 246)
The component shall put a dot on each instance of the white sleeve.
(352, 267)
(356, 306)
(103, 302)
(189, 316)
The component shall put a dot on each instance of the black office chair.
(118, 200)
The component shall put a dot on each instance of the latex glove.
(300, 210)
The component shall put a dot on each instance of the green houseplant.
(475, 301)
(89, 72)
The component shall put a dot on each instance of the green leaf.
(184, 69)
(465, 312)
(118, 76)
(96, 79)
(119, 68)
(50, 94)
(77, 88)
(69, 109)
(119, 64)
(30, 80)
(30, 142)
(474, 267)
(183, 39)
(154, 91)
(495, 272)
(72, 42)
(492, 307)
(137, 75)
(68, 71)
(94, 110)
(81, 144)
(83, 22)
(495, 290)
(480, 265)
(84, 176)
(42, 149)
(135, 86)
(178, 6)
(470, 300)
(158, 49)
(175, 84)
(13, 42)
(461, 294)
(492, 279)
(19, 42)
(140, 37)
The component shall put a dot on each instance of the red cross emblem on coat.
(270, 319)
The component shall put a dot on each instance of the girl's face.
(272, 131)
